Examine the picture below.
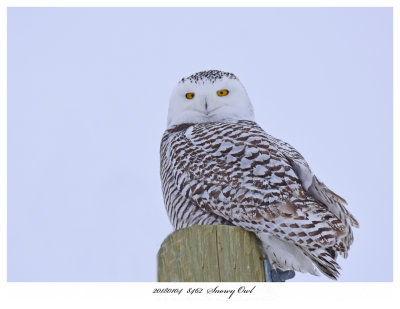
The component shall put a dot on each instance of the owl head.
(209, 96)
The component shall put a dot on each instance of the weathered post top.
(207, 253)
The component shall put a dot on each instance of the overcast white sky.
(88, 93)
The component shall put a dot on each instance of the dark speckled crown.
(210, 76)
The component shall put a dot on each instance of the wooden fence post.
(210, 253)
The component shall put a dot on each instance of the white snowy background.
(88, 93)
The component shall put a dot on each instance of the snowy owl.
(219, 167)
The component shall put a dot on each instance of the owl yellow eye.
(190, 95)
(222, 92)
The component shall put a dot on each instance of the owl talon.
(278, 275)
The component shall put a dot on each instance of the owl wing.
(236, 172)
(313, 186)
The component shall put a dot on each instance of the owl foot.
(278, 275)
(275, 274)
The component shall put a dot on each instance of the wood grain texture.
(210, 253)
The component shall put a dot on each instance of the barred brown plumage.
(223, 169)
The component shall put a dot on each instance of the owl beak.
(205, 104)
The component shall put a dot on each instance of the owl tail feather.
(324, 261)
